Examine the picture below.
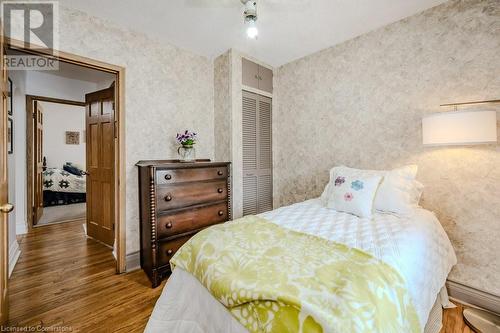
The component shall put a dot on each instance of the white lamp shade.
(460, 128)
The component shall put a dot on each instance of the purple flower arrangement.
(186, 139)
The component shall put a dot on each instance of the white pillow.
(398, 192)
(352, 194)
(418, 189)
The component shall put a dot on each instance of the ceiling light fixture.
(250, 15)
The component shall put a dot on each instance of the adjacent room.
(63, 162)
(250, 166)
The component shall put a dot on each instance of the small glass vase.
(187, 153)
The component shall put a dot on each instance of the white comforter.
(415, 245)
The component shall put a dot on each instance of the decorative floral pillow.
(353, 194)
(398, 191)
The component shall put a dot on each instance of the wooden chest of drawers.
(176, 201)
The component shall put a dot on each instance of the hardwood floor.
(67, 282)
(453, 322)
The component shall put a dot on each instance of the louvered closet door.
(257, 154)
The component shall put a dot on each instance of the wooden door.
(38, 159)
(100, 160)
(5, 207)
(257, 154)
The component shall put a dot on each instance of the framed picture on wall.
(10, 136)
(9, 98)
(72, 138)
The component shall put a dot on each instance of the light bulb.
(252, 31)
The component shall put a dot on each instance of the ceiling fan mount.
(250, 13)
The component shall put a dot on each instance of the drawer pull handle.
(169, 252)
(220, 173)
(168, 176)
(219, 190)
(220, 213)
(168, 197)
(169, 225)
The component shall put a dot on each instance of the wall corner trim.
(133, 261)
(14, 254)
(472, 296)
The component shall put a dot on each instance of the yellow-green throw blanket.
(276, 280)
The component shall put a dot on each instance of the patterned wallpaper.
(222, 106)
(360, 103)
(167, 90)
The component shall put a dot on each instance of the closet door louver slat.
(265, 193)
(250, 205)
(265, 146)
(249, 134)
(257, 154)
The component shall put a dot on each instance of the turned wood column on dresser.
(176, 201)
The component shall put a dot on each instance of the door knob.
(85, 173)
(6, 208)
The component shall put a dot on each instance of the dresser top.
(173, 164)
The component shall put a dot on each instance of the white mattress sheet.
(415, 245)
(186, 306)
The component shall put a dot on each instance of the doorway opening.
(70, 148)
(74, 149)
(57, 143)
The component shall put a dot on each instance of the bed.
(415, 245)
(61, 187)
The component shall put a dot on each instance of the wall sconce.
(460, 128)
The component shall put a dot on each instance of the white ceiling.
(289, 29)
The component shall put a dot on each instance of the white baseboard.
(14, 253)
(472, 296)
(21, 228)
(133, 261)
